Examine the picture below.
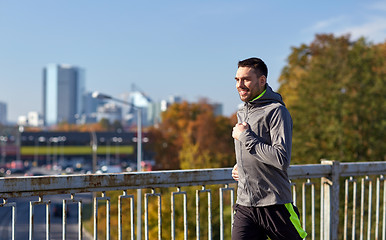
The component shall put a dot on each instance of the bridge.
(337, 200)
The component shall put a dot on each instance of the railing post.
(330, 202)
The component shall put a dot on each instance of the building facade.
(63, 89)
(110, 111)
(3, 113)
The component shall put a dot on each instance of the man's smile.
(243, 91)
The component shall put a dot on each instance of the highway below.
(39, 228)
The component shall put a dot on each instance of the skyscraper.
(3, 113)
(63, 89)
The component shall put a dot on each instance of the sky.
(181, 48)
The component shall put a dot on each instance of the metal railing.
(324, 204)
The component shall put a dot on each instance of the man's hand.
(238, 129)
(235, 173)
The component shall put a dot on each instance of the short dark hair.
(257, 64)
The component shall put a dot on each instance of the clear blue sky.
(186, 48)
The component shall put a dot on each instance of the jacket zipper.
(246, 118)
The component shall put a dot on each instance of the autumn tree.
(191, 136)
(103, 125)
(335, 91)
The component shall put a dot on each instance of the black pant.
(278, 222)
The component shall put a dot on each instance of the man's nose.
(240, 84)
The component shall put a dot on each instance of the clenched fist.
(238, 129)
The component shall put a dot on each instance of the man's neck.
(259, 96)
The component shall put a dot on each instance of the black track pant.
(276, 222)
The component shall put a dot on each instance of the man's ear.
(263, 80)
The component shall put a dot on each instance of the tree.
(191, 136)
(334, 89)
(117, 126)
(105, 124)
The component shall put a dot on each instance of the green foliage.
(335, 91)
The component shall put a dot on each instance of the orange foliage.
(190, 136)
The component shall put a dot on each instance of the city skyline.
(166, 48)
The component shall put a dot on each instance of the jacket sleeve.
(278, 152)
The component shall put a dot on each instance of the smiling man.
(263, 140)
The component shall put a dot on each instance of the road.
(22, 219)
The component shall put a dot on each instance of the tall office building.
(3, 113)
(63, 89)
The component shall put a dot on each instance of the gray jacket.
(263, 152)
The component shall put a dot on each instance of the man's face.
(248, 84)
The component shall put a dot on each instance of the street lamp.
(48, 140)
(99, 95)
(107, 140)
(62, 139)
(55, 141)
(38, 140)
(117, 141)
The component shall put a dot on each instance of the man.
(263, 139)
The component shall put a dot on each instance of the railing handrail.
(77, 183)
(362, 168)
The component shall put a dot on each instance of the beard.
(244, 94)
